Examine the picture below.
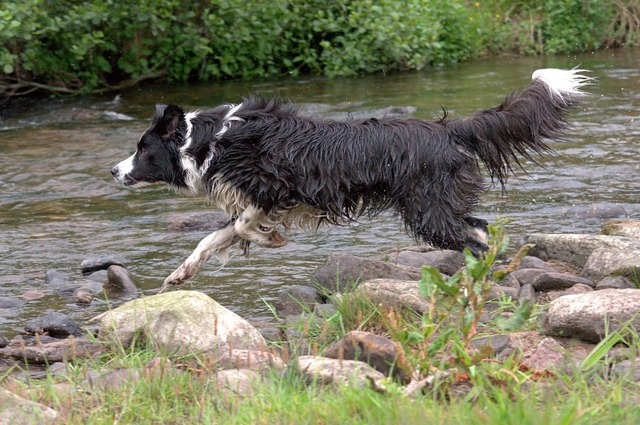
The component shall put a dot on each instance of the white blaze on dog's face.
(157, 158)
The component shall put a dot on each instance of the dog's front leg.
(217, 243)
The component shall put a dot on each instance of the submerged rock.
(598, 210)
(54, 324)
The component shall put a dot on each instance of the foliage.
(70, 46)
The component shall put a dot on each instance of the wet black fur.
(427, 171)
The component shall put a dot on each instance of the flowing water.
(59, 204)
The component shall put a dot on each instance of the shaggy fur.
(267, 166)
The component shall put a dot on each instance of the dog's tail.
(522, 122)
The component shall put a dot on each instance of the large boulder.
(604, 262)
(180, 322)
(591, 315)
(19, 411)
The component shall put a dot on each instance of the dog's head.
(157, 158)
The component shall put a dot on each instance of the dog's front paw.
(182, 273)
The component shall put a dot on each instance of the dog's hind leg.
(217, 243)
(253, 225)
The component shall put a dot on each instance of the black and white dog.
(267, 166)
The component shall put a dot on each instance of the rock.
(585, 316)
(526, 276)
(55, 277)
(547, 356)
(496, 343)
(98, 276)
(630, 228)
(10, 302)
(50, 351)
(510, 282)
(604, 262)
(337, 372)
(498, 291)
(32, 295)
(240, 382)
(575, 289)
(54, 324)
(527, 294)
(549, 281)
(531, 262)
(600, 210)
(627, 368)
(382, 354)
(296, 299)
(93, 264)
(575, 249)
(180, 322)
(259, 361)
(342, 272)
(197, 222)
(614, 282)
(120, 278)
(446, 261)
(395, 293)
(16, 410)
(113, 380)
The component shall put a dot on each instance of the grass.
(474, 386)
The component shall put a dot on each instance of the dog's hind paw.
(181, 274)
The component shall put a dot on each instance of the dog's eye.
(142, 152)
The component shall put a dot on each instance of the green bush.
(71, 46)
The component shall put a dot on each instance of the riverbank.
(549, 333)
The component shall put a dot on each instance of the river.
(60, 205)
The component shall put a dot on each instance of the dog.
(267, 166)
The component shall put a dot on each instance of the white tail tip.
(563, 82)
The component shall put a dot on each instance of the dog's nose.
(114, 171)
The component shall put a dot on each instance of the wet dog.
(267, 166)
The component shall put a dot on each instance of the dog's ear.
(158, 114)
(168, 119)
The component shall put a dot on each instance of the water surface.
(59, 204)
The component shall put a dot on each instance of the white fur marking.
(188, 163)
(229, 118)
(563, 82)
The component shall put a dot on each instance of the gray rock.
(10, 302)
(575, 249)
(496, 343)
(627, 368)
(113, 380)
(324, 310)
(337, 372)
(296, 299)
(180, 322)
(614, 282)
(599, 210)
(342, 272)
(197, 222)
(528, 294)
(259, 361)
(381, 353)
(120, 278)
(526, 276)
(549, 281)
(531, 262)
(585, 316)
(604, 262)
(98, 276)
(499, 291)
(397, 293)
(630, 228)
(16, 410)
(54, 324)
(578, 288)
(93, 264)
(239, 382)
(446, 261)
(55, 277)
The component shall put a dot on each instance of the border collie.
(266, 165)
